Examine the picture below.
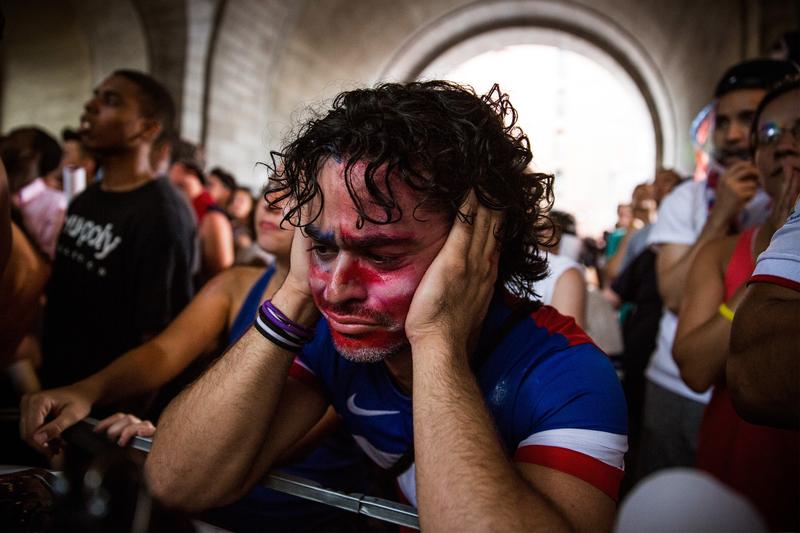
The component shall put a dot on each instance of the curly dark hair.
(440, 139)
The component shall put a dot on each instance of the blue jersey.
(554, 397)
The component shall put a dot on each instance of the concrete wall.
(244, 71)
(165, 28)
(240, 70)
(55, 51)
(114, 33)
(339, 44)
(202, 20)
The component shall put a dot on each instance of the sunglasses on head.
(771, 132)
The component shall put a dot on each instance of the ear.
(151, 129)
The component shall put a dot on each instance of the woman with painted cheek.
(227, 305)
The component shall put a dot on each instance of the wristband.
(726, 311)
(280, 330)
(289, 325)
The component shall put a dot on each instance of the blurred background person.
(214, 228)
(636, 286)
(77, 164)
(760, 462)
(645, 199)
(240, 211)
(124, 258)
(221, 185)
(23, 274)
(29, 155)
(565, 285)
(693, 214)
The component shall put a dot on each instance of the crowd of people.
(400, 301)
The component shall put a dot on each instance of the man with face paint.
(417, 213)
(693, 214)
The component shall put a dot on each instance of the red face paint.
(363, 279)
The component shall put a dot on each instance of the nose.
(788, 142)
(90, 105)
(787, 146)
(346, 285)
(736, 132)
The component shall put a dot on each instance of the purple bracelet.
(280, 330)
(276, 317)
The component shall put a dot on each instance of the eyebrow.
(99, 92)
(369, 241)
(318, 235)
(736, 113)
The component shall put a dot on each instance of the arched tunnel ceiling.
(273, 58)
(340, 44)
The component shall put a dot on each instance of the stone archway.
(594, 34)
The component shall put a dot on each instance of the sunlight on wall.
(586, 125)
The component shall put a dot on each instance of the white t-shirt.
(557, 265)
(681, 218)
(780, 262)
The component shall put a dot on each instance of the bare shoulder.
(233, 281)
(216, 219)
(240, 278)
(574, 276)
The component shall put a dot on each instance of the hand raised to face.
(453, 297)
(737, 186)
(783, 205)
(293, 298)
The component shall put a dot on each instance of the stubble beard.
(370, 354)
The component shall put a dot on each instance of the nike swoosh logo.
(356, 410)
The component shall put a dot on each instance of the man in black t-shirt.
(124, 259)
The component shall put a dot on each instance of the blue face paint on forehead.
(327, 237)
(334, 153)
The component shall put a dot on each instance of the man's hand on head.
(294, 296)
(737, 185)
(453, 296)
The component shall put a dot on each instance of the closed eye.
(382, 260)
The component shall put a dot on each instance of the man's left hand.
(453, 296)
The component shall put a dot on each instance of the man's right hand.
(294, 297)
(45, 415)
(737, 185)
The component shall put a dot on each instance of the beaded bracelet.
(726, 311)
(280, 329)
